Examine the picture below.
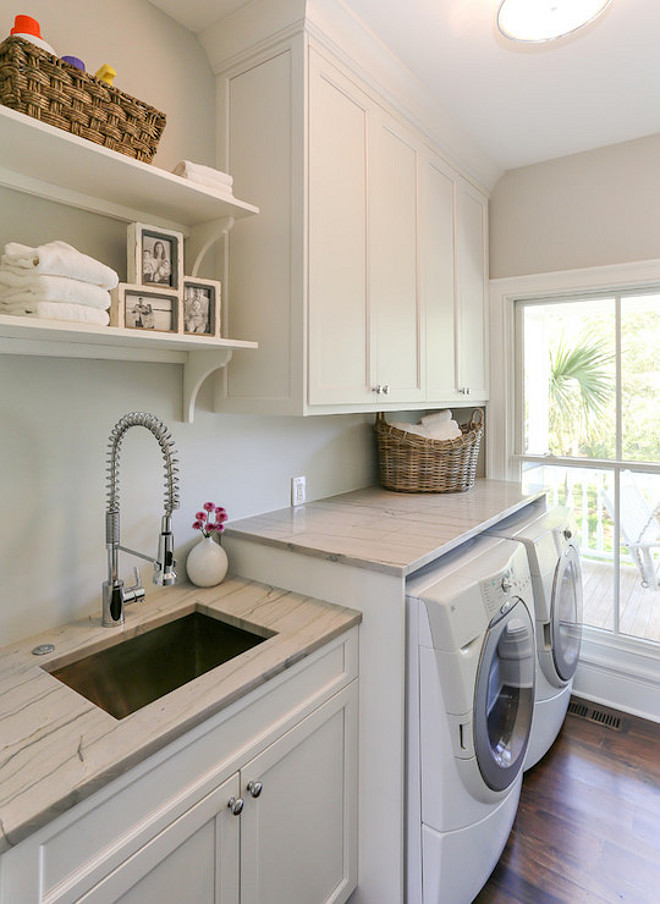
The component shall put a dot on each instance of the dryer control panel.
(501, 590)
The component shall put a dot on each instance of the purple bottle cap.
(74, 61)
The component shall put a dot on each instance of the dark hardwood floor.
(588, 826)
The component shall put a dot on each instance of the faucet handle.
(136, 593)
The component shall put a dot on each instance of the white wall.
(587, 210)
(56, 414)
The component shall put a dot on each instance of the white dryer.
(550, 539)
(471, 673)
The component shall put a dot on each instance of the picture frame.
(137, 307)
(155, 256)
(201, 307)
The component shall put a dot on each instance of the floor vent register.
(595, 714)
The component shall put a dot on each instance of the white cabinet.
(453, 275)
(298, 833)
(396, 318)
(471, 275)
(363, 304)
(190, 824)
(356, 237)
(339, 353)
(196, 858)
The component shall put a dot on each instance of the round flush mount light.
(537, 21)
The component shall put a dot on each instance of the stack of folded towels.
(55, 282)
(220, 182)
(438, 425)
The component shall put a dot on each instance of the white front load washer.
(550, 539)
(470, 694)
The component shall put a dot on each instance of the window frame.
(504, 458)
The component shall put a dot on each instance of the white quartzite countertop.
(374, 528)
(57, 748)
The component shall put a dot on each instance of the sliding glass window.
(588, 426)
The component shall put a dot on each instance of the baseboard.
(619, 672)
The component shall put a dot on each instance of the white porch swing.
(640, 529)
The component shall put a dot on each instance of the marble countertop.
(56, 748)
(397, 533)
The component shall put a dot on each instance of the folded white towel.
(205, 175)
(59, 259)
(53, 310)
(416, 429)
(17, 288)
(438, 417)
(445, 431)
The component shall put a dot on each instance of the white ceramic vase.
(207, 563)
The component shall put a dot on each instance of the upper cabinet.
(370, 288)
(453, 273)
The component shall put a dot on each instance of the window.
(588, 426)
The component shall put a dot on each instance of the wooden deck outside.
(639, 608)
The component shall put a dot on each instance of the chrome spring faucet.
(115, 597)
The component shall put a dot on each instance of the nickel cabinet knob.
(255, 788)
(236, 804)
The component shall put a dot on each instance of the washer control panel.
(501, 591)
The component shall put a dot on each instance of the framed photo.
(140, 308)
(201, 306)
(155, 256)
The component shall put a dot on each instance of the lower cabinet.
(297, 825)
(195, 859)
(280, 829)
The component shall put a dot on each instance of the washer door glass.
(504, 697)
(567, 613)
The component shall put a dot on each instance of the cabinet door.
(471, 275)
(393, 262)
(299, 836)
(437, 279)
(337, 288)
(194, 859)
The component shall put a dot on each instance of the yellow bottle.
(106, 74)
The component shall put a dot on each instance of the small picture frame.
(155, 256)
(201, 306)
(136, 307)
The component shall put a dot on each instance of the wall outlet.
(297, 491)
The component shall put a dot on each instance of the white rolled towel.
(205, 175)
(59, 259)
(438, 417)
(53, 310)
(18, 289)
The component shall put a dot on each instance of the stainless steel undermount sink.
(126, 676)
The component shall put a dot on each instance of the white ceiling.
(522, 104)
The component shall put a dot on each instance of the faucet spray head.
(164, 574)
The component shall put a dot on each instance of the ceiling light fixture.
(537, 21)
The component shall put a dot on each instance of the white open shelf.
(199, 355)
(48, 162)
(39, 159)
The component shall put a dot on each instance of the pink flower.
(211, 523)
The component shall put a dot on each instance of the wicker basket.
(40, 85)
(414, 464)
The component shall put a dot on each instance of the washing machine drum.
(504, 697)
(566, 624)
